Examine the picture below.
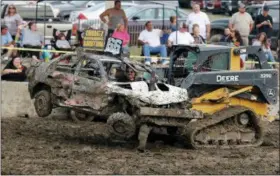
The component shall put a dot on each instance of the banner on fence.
(94, 39)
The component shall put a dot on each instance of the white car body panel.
(141, 91)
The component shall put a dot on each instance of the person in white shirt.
(181, 37)
(150, 39)
(200, 18)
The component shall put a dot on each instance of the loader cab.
(185, 59)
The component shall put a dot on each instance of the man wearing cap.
(264, 22)
(243, 22)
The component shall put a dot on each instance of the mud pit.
(58, 146)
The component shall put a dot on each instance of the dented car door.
(88, 89)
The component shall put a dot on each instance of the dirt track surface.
(52, 146)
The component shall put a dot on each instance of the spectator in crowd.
(121, 33)
(181, 37)
(7, 41)
(167, 32)
(263, 42)
(61, 42)
(264, 22)
(200, 18)
(198, 39)
(116, 16)
(12, 20)
(14, 70)
(243, 22)
(226, 36)
(31, 38)
(150, 39)
(235, 38)
(173, 23)
(131, 75)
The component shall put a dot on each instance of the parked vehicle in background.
(65, 8)
(188, 3)
(46, 22)
(184, 3)
(137, 16)
(218, 26)
(222, 6)
(13, 2)
(214, 6)
(202, 3)
(92, 13)
(229, 7)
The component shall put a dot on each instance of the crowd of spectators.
(195, 30)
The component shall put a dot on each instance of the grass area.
(135, 50)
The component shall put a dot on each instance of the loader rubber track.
(220, 130)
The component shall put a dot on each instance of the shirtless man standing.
(116, 16)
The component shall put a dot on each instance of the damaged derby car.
(127, 94)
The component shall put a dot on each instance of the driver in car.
(128, 75)
(131, 74)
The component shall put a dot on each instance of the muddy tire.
(43, 104)
(121, 126)
(78, 116)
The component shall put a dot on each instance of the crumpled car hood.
(140, 90)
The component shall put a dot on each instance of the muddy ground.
(59, 146)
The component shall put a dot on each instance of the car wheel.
(121, 126)
(43, 104)
(78, 116)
